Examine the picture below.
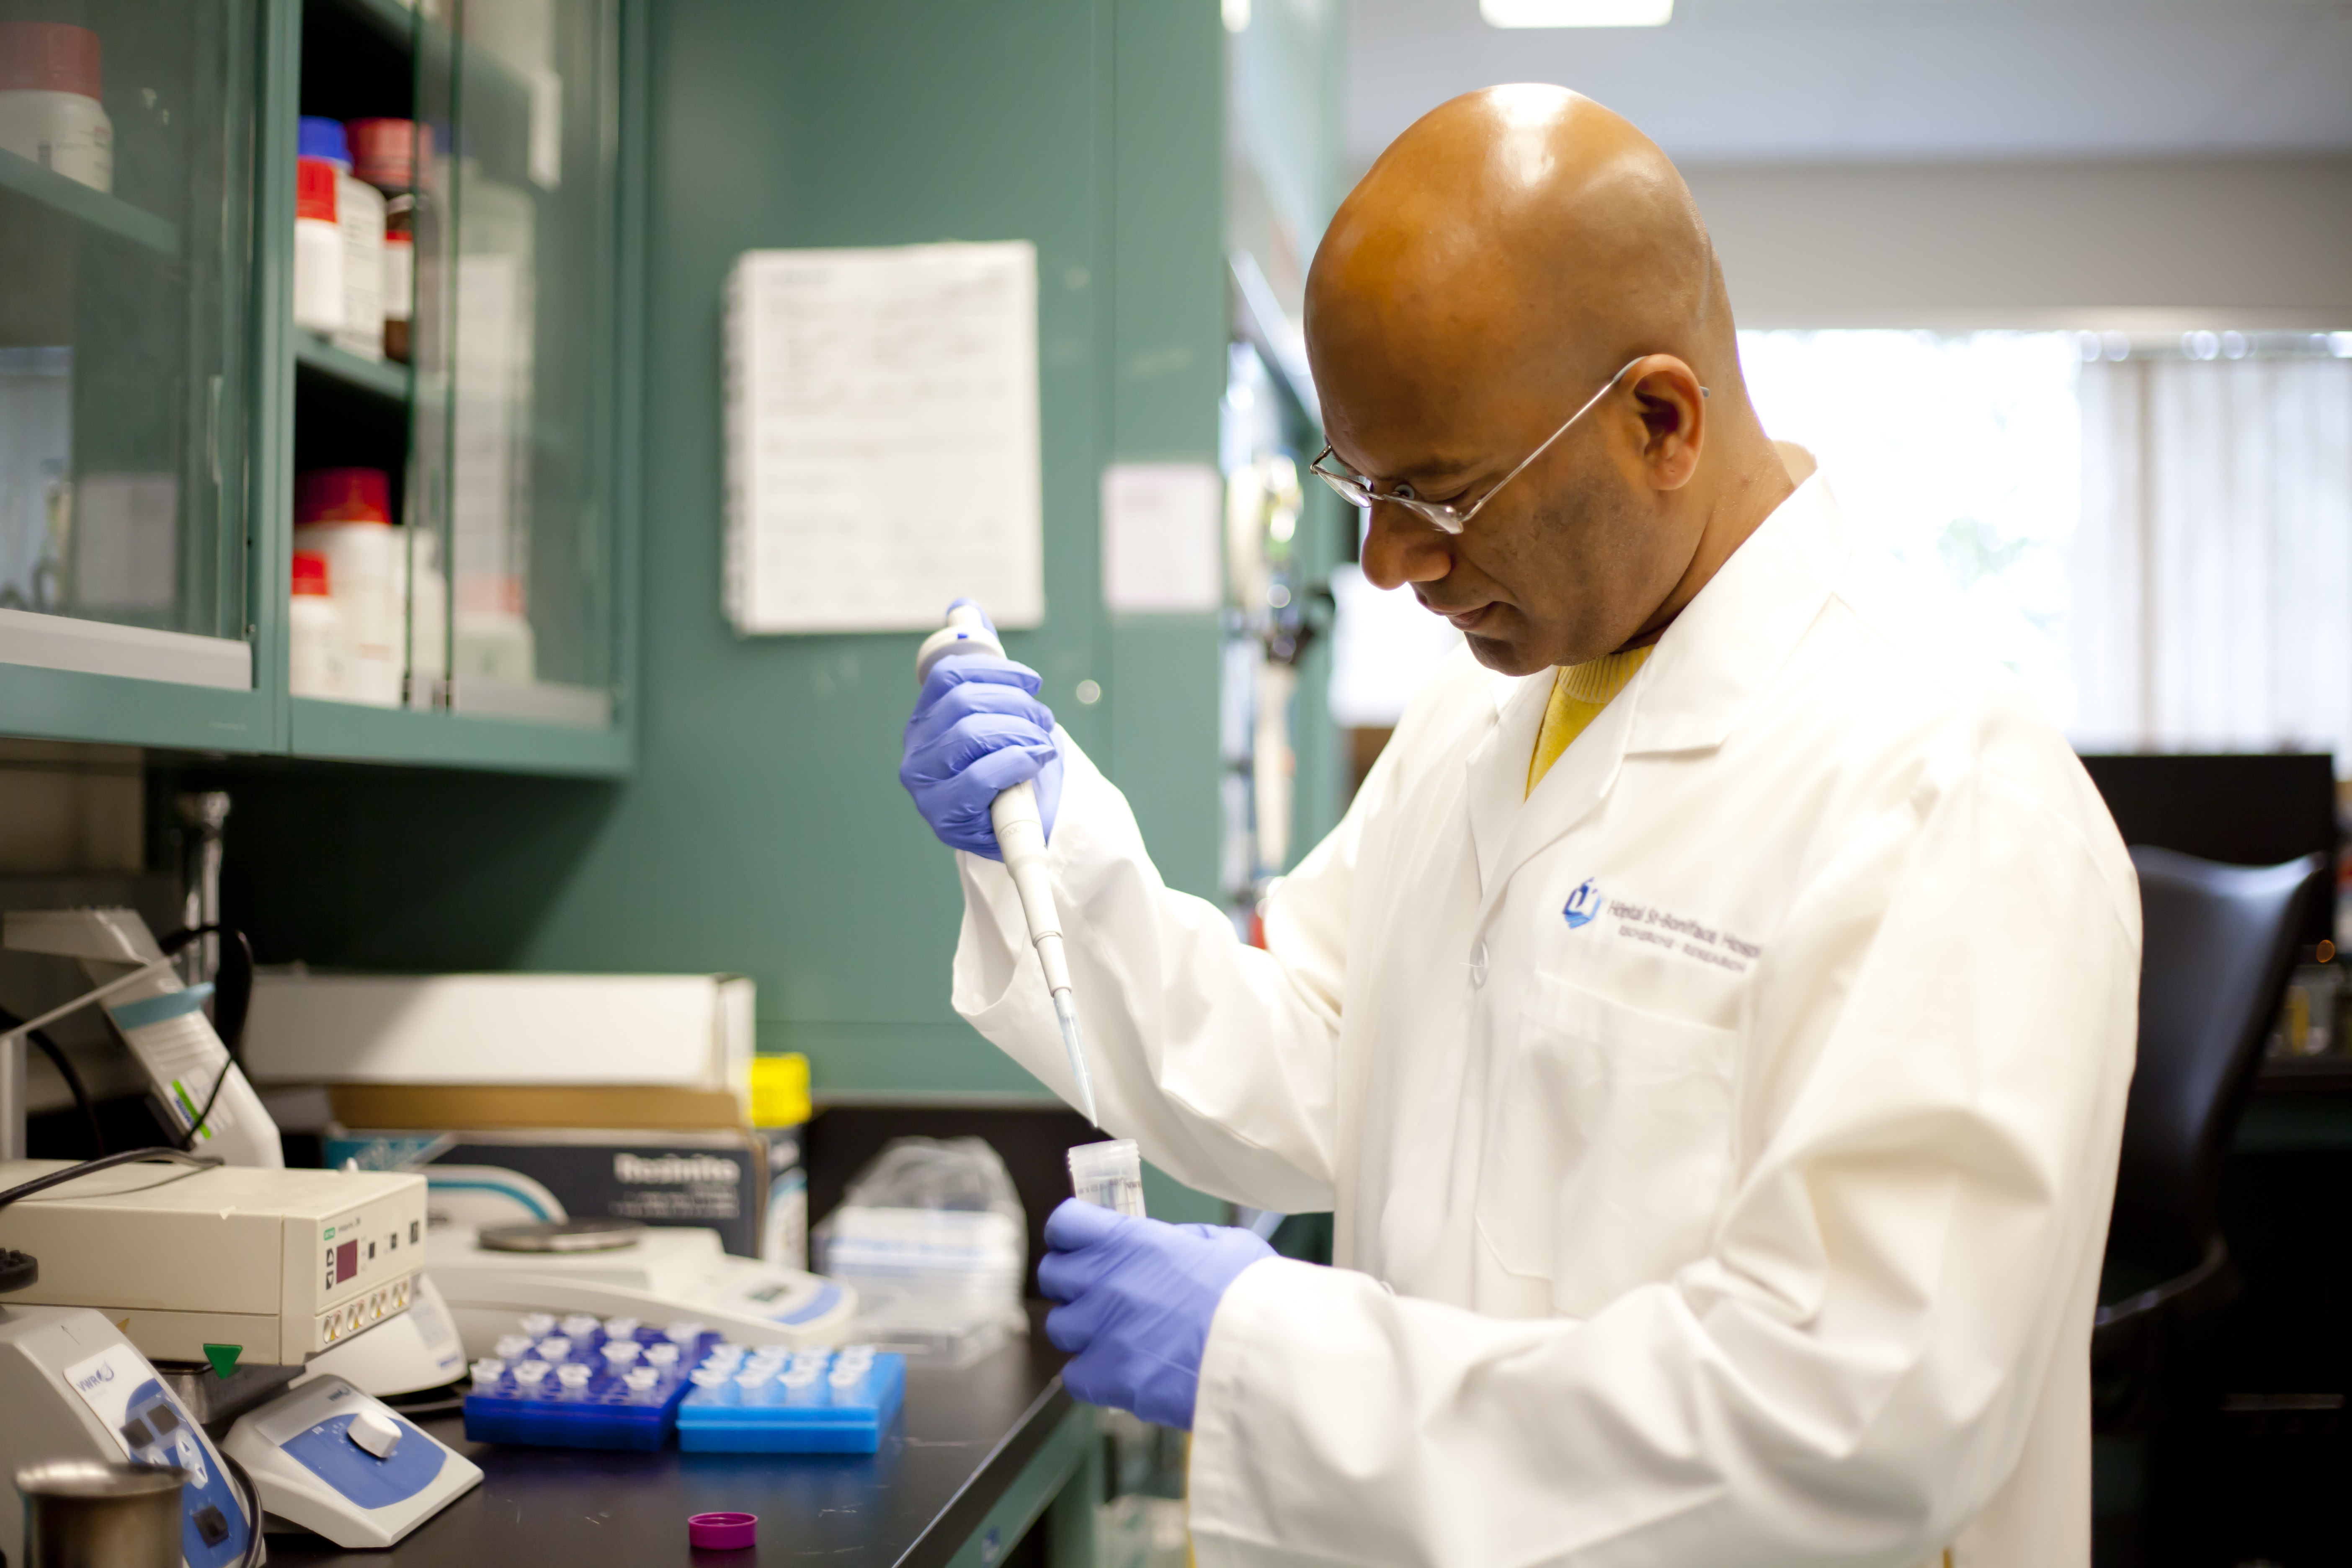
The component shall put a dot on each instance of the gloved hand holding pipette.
(982, 766)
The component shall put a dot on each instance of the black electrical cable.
(232, 994)
(104, 1162)
(254, 1555)
(66, 1071)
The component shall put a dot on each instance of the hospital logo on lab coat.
(1583, 904)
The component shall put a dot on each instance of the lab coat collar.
(1730, 643)
(1720, 653)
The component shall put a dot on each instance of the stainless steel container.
(80, 1513)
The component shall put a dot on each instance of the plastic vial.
(1110, 1175)
(684, 1331)
(555, 1347)
(752, 1378)
(707, 1377)
(572, 1375)
(622, 1352)
(487, 1371)
(640, 1379)
(49, 108)
(663, 1354)
(580, 1325)
(848, 1376)
(531, 1373)
(621, 1328)
(509, 1346)
(539, 1325)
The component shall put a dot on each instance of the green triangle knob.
(223, 1358)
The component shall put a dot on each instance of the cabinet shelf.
(350, 731)
(94, 208)
(385, 378)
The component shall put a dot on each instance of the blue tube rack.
(542, 1410)
(840, 1404)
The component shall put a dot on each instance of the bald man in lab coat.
(1711, 1022)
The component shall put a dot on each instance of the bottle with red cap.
(314, 639)
(386, 153)
(50, 108)
(359, 218)
(344, 515)
(317, 248)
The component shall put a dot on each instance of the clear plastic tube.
(1110, 1175)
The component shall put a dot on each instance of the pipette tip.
(1066, 1013)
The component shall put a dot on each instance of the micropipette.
(1021, 836)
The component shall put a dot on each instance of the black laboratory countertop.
(961, 1443)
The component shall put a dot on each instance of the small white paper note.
(882, 448)
(1161, 536)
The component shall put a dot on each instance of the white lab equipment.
(1110, 1175)
(1741, 1092)
(72, 1386)
(270, 1266)
(417, 1350)
(620, 1268)
(337, 1462)
(1021, 835)
(163, 1022)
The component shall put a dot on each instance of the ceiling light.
(1576, 13)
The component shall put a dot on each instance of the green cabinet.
(170, 400)
(128, 360)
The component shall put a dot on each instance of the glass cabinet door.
(126, 135)
(517, 244)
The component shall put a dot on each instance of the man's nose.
(1398, 547)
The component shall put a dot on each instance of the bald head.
(1503, 257)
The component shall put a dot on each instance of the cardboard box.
(486, 1107)
(716, 1179)
(676, 1031)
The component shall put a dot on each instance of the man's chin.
(1503, 655)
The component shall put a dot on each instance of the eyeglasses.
(1358, 492)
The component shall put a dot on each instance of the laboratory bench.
(976, 1457)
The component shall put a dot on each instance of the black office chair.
(2216, 944)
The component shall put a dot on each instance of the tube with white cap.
(1021, 836)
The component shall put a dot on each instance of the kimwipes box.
(716, 1179)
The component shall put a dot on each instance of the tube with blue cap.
(1021, 836)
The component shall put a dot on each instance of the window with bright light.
(2154, 533)
(1962, 455)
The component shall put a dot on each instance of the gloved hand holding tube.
(981, 763)
(1138, 1298)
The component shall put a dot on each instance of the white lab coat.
(1721, 1139)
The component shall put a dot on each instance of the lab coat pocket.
(1611, 1152)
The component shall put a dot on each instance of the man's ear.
(1674, 416)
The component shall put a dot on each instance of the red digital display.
(347, 1261)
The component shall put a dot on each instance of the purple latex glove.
(1140, 1296)
(978, 730)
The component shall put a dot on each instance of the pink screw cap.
(722, 1531)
